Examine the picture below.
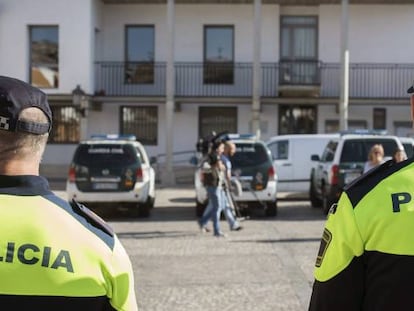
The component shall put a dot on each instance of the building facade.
(171, 72)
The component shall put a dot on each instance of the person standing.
(375, 157)
(399, 155)
(229, 151)
(366, 255)
(54, 255)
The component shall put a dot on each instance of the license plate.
(350, 177)
(105, 186)
(259, 187)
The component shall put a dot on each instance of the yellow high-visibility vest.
(50, 248)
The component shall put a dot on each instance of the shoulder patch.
(91, 217)
(325, 241)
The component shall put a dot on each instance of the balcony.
(382, 81)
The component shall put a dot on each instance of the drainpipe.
(169, 178)
(343, 100)
(256, 106)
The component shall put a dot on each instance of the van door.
(302, 150)
(281, 156)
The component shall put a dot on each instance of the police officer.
(366, 256)
(54, 255)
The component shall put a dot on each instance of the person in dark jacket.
(213, 178)
(366, 255)
(54, 254)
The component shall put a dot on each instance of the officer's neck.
(19, 167)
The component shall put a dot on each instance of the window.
(218, 54)
(280, 150)
(66, 124)
(44, 56)
(297, 120)
(379, 119)
(329, 152)
(139, 54)
(217, 119)
(299, 50)
(142, 122)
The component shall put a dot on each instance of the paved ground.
(266, 266)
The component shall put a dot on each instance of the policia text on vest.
(31, 254)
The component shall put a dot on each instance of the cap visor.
(411, 89)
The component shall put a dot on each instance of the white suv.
(252, 166)
(343, 161)
(112, 169)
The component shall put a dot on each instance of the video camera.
(204, 144)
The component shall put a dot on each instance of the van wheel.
(314, 200)
(326, 203)
(144, 210)
(150, 202)
(271, 209)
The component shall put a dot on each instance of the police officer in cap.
(366, 255)
(54, 255)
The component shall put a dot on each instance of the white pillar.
(83, 128)
(168, 178)
(344, 95)
(256, 68)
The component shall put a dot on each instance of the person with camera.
(213, 179)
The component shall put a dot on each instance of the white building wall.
(116, 17)
(189, 44)
(74, 20)
(377, 33)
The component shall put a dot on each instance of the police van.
(113, 169)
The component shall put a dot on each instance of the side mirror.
(315, 157)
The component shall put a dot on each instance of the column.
(256, 68)
(169, 177)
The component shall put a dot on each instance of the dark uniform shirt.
(56, 255)
(366, 256)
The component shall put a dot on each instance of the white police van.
(113, 169)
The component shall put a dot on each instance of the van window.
(250, 155)
(408, 149)
(97, 155)
(280, 150)
(329, 152)
(357, 150)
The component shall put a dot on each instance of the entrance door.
(297, 119)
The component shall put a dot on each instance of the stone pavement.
(266, 266)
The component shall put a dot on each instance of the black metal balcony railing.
(236, 79)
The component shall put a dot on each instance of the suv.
(252, 167)
(112, 169)
(342, 161)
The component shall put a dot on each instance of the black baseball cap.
(15, 96)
